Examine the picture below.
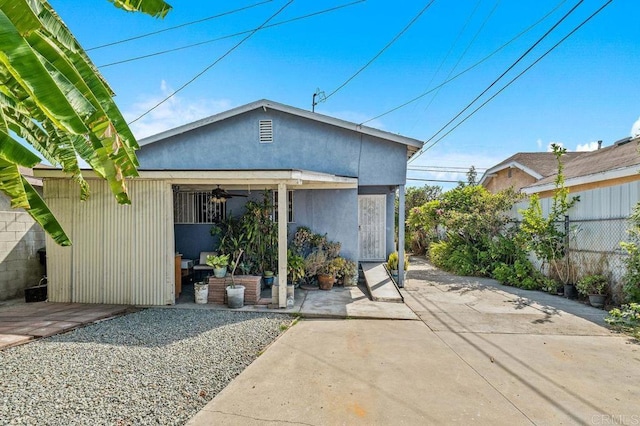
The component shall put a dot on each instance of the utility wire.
(382, 51)
(453, 45)
(212, 64)
(410, 101)
(484, 22)
(518, 76)
(208, 18)
(566, 15)
(163, 52)
(434, 180)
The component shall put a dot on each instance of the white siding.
(120, 254)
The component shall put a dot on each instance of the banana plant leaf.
(54, 98)
(156, 8)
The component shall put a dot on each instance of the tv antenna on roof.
(321, 98)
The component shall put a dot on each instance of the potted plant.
(267, 278)
(201, 290)
(595, 287)
(327, 274)
(313, 262)
(235, 293)
(348, 272)
(219, 264)
(392, 263)
(295, 268)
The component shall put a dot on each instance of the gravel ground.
(156, 366)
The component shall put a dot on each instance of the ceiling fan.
(219, 195)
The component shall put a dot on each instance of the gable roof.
(536, 164)
(413, 145)
(618, 160)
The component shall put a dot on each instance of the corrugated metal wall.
(601, 203)
(120, 254)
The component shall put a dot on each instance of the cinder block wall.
(20, 239)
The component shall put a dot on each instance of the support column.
(283, 204)
(401, 220)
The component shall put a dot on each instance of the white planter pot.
(235, 296)
(202, 293)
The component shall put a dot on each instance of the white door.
(372, 219)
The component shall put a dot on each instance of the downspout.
(401, 220)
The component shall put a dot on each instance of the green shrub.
(438, 253)
(626, 318)
(631, 279)
(592, 284)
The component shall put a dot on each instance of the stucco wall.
(299, 143)
(334, 212)
(20, 239)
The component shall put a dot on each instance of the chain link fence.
(594, 248)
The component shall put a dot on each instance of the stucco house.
(334, 176)
(522, 169)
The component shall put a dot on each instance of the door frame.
(383, 228)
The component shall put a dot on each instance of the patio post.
(401, 220)
(282, 244)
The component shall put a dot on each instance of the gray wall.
(20, 239)
(330, 211)
(299, 143)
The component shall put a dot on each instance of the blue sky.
(585, 90)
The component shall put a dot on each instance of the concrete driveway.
(481, 353)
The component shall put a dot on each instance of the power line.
(434, 180)
(464, 52)
(553, 27)
(208, 18)
(188, 46)
(424, 166)
(381, 51)
(212, 64)
(469, 68)
(519, 75)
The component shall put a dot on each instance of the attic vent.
(266, 131)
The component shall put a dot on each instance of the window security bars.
(197, 207)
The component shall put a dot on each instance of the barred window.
(197, 207)
(289, 206)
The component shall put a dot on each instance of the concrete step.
(380, 285)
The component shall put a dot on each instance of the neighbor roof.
(537, 164)
(413, 145)
(618, 160)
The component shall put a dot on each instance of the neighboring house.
(606, 167)
(607, 182)
(522, 169)
(20, 239)
(331, 175)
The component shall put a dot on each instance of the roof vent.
(623, 141)
(266, 131)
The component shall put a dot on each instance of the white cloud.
(635, 129)
(173, 113)
(589, 146)
(539, 143)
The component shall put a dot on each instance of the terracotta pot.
(325, 282)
